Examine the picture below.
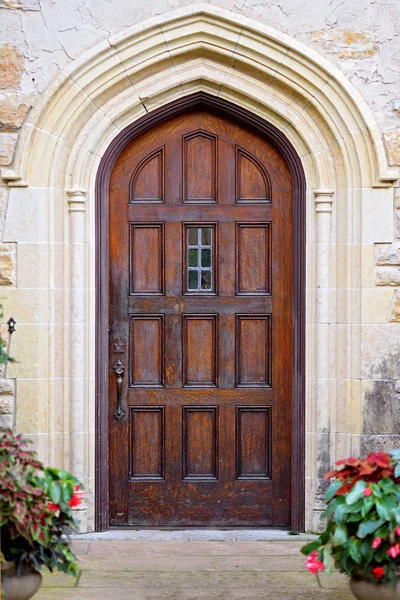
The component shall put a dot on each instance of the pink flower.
(394, 550)
(398, 530)
(376, 543)
(53, 507)
(367, 491)
(378, 572)
(313, 564)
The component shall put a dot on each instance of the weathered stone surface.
(12, 113)
(375, 443)
(6, 387)
(7, 145)
(397, 222)
(394, 314)
(346, 43)
(6, 405)
(392, 141)
(387, 254)
(11, 67)
(6, 422)
(22, 4)
(379, 408)
(7, 269)
(388, 277)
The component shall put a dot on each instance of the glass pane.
(206, 280)
(206, 257)
(206, 236)
(193, 236)
(193, 280)
(193, 258)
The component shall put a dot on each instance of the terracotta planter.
(366, 590)
(22, 587)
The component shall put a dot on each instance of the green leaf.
(333, 505)
(367, 505)
(55, 492)
(326, 558)
(367, 550)
(376, 489)
(368, 527)
(341, 514)
(397, 470)
(355, 550)
(356, 492)
(388, 485)
(340, 535)
(332, 489)
(308, 548)
(384, 507)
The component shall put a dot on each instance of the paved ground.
(191, 570)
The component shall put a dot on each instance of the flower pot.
(366, 590)
(20, 587)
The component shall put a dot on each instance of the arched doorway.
(205, 320)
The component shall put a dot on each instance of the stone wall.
(38, 40)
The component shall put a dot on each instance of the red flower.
(376, 543)
(53, 507)
(367, 491)
(394, 550)
(378, 572)
(75, 501)
(398, 530)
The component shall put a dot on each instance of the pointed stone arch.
(205, 49)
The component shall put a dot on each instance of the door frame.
(277, 138)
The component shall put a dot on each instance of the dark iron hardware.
(119, 371)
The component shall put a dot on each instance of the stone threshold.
(196, 535)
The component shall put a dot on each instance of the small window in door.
(199, 267)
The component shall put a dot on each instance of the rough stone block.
(397, 217)
(7, 145)
(12, 113)
(387, 254)
(6, 422)
(394, 314)
(375, 443)
(22, 4)
(11, 67)
(6, 405)
(391, 278)
(6, 387)
(392, 140)
(379, 408)
(346, 43)
(7, 267)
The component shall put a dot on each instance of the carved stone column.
(323, 208)
(77, 238)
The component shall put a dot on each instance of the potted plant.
(35, 518)
(363, 530)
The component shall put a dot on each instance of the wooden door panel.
(146, 350)
(147, 442)
(200, 443)
(200, 301)
(200, 350)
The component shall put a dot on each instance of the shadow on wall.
(381, 406)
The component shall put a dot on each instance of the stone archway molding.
(201, 48)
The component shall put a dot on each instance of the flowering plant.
(363, 530)
(35, 509)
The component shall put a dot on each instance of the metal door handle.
(119, 371)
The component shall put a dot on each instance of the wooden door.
(200, 321)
